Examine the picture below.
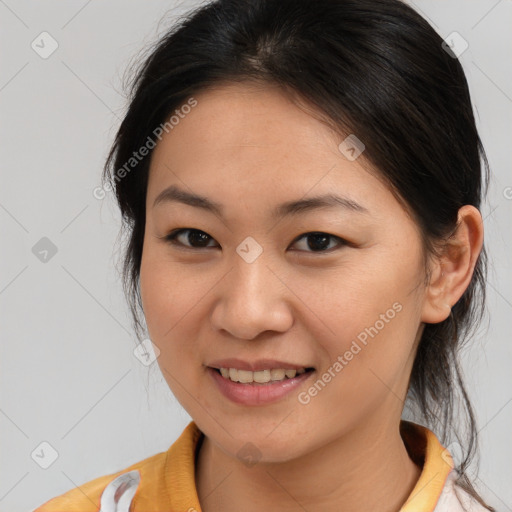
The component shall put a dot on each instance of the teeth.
(243, 376)
(277, 374)
(260, 377)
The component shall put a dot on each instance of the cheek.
(156, 294)
(348, 299)
(167, 293)
(165, 307)
(368, 314)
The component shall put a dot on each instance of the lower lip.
(254, 393)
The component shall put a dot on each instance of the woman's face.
(249, 289)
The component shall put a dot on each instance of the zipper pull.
(118, 494)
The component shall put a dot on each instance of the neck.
(364, 469)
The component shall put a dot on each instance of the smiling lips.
(257, 383)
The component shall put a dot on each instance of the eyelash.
(171, 238)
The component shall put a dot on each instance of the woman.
(301, 183)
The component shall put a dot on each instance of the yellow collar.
(427, 452)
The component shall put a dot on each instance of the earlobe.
(435, 307)
(452, 271)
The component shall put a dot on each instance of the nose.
(252, 298)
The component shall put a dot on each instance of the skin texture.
(251, 148)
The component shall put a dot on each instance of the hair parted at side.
(374, 68)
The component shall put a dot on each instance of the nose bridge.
(250, 276)
(252, 297)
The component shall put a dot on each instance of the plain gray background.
(68, 373)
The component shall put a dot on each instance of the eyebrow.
(176, 194)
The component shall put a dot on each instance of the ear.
(452, 270)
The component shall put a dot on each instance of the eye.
(317, 240)
(195, 236)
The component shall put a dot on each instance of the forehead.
(242, 140)
(249, 116)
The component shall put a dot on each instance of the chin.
(265, 444)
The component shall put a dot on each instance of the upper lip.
(255, 366)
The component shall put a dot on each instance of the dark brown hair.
(374, 68)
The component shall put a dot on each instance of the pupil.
(198, 237)
(319, 241)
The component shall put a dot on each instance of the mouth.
(258, 382)
(263, 377)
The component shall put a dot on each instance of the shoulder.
(162, 481)
(454, 498)
(87, 497)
